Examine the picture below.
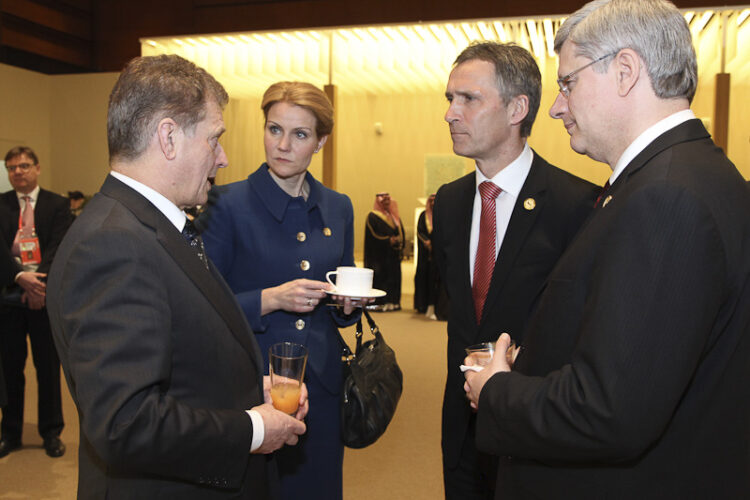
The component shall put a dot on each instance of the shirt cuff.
(259, 430)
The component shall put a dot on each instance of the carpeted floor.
(404, 464)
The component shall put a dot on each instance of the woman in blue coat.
(273, 237)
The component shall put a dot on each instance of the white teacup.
(353, 281)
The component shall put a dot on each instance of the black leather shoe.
(54, 447)
(6, 446)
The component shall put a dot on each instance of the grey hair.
(150, 89)
(516, 71)
(654, 29)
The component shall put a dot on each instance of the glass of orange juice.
(287, 362)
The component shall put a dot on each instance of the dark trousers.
(474, 476)
(15, 324)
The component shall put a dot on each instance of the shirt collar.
(170, 210)
(34, 195)
(511, 178)
(647, 137)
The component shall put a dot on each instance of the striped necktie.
(484, 264)
(26, 226)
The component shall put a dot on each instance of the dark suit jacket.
(51, 217)
(633, 383)
(533, 242)
(158, 357)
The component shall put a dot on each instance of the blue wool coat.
(260, 237)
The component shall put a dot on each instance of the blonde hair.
(304, 95)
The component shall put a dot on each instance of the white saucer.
(374, 293)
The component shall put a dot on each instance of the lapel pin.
(529, 204)
(327, 231)
(606, 200)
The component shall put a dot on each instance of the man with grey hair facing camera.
(633, 378)
(165, 371)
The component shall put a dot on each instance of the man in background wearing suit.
(34, 222)
(633, 379)
(495, 253)
(165, 371)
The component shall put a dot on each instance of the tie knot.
(26, 198)
(189, 231)
(489, 190)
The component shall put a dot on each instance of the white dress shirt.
(178, 218)
(647, 137)
(510, 180)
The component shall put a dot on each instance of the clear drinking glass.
(287, 362)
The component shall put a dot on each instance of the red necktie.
(601, 193)
(26, 225)
(484, 263)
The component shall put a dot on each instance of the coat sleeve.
(639, 323)
(118, 339)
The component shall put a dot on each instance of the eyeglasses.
(564, 81)
(23, 166)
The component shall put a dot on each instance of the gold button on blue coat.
(327, 231)
(304, 265)
(301, 236)
(299, 324)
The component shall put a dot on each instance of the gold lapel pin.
(606, 200)
(529, 204)
(327, 231)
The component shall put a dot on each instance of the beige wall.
(25, 115)
(63, 118)
(78, 114)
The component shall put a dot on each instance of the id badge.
(30, 252)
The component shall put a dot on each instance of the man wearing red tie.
(498, 231)
(34, 222)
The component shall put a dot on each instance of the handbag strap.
(346, 353)
(373, 326)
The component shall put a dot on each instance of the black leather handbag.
(372, 387)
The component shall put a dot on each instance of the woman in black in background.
(429, 298)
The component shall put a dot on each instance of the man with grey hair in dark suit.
(162, 365)
(633, 378)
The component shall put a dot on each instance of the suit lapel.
(209, 283)
(690, 130)
(42, 215)
(521, 221)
